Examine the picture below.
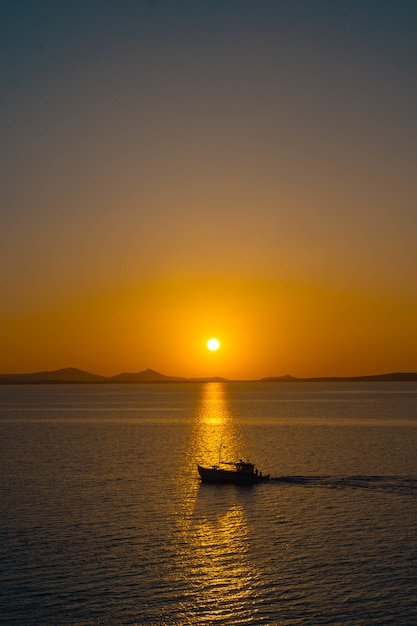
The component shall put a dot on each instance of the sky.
(178, 170)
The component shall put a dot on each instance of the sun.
(213, 344)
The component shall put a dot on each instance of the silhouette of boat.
(243, 473)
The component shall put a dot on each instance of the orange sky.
(177, 171)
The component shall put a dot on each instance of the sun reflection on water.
(214, 433)
(213, 558)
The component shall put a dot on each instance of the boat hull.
(219, 475)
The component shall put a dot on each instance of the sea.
(104, 520)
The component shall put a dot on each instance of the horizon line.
(76, 375)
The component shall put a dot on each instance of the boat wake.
(401, 485)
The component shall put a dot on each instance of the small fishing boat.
(243, 473)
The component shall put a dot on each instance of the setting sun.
(213, 344)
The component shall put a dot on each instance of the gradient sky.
(172, 171)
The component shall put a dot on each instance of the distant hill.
(66, 375)
(74, 375)
(147, 376)
(395, 376)
(279, 379)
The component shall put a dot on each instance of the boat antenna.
(220, 448)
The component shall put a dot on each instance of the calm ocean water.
(103, 520)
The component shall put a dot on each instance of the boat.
(243, 473)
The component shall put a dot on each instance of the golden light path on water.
(213, 555)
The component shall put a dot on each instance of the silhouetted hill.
(395, 376)
(284, 379)
(147, 376)
(66, 375)
(74, 375)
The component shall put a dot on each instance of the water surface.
(104, 520)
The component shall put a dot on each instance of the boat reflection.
(213, 553)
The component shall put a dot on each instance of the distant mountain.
(284, 379)
(147, 376)
(395, 376)
(74, 375)
(66, 375)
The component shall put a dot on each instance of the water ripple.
(402, 485)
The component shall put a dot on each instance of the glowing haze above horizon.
(179, 171)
